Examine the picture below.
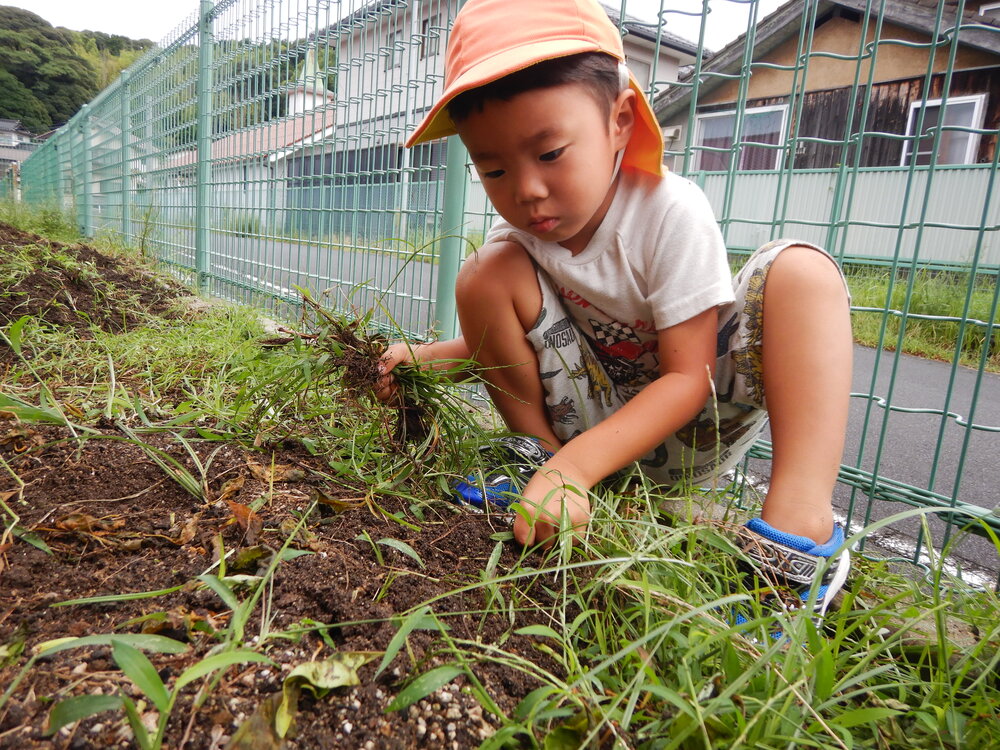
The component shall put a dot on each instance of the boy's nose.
(530, 187)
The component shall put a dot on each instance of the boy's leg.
(498, 301)
(807, 349)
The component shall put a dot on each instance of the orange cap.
(494, 38)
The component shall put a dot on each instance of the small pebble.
(445, 696)
(347, 727)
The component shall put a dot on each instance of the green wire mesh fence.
(258, 148)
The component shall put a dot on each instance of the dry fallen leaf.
(232, 488)
(88, 523)
(276, 472)
(248, 519)
(187, 532)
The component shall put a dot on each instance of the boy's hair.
(596, 71)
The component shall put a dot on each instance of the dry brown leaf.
(88, 523)
(276, 472)
(249, 520)
(232, 488)
(188, 531)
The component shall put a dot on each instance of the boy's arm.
(687, 360)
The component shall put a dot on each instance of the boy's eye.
(493, 174)
(551, 155)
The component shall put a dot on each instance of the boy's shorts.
(580, 393)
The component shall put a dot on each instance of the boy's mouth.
(543, 225)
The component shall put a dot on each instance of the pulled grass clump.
(302, 547)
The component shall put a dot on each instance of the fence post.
(86, 209)
(202, 238)
(125, 92)
(451, 245)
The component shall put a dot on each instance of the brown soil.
(115, 522)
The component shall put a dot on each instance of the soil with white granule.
(97, 515)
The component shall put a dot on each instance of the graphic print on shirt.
(564, 412)
(749, 360)
(559, 334)
(627, 360)
(598, 384)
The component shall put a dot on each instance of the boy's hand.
(387, 388)
(441, 355)
(551, 494)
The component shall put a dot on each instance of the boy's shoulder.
(666, 194)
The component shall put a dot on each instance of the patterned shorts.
(580, 392)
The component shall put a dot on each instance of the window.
(956, 146)
(641, 70)
(427, 161)
(393, 51)
(430, 37)
(760, 125)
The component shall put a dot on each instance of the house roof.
(650, 33)
(978, 32)
(261, 142)
(12, 126)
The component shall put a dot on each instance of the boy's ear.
(623, 118)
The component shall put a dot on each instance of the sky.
(156, 20)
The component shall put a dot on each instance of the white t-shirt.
(656, 260)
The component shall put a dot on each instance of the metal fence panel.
(258, 148)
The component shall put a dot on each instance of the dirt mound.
(80, 287)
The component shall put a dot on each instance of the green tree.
(55, 67)
(17, 103)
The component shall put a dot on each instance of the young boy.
(601, 310)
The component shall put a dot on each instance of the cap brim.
(644, 150)
(438, 124)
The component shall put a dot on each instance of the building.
(822, 103)
(16, 144)
(878, 90)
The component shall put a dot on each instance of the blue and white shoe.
(514, 460)
(789, 566)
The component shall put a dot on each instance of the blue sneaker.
(514, 460)
(789, 566)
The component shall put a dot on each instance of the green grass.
(50, 221)
(942, 294)
(637, 651)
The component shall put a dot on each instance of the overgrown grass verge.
(934, 306)
(622, 639)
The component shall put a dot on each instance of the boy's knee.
(807, 271)
(500, 273)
